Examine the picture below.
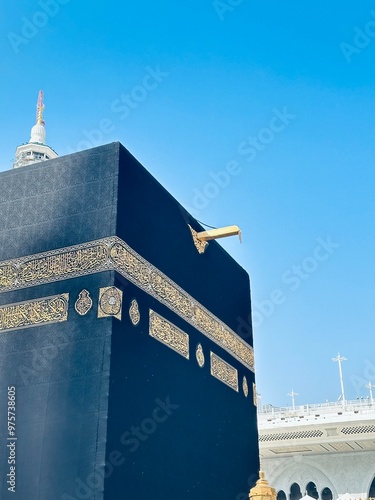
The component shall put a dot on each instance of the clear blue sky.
(280, 96)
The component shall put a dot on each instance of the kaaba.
(123, 371)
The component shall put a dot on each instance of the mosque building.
(325, 451)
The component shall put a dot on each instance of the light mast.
(340, 359)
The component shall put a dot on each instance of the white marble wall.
(341, 472)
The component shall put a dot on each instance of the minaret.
(36, 149)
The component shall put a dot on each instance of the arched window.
(281, 495)
(295, 492)
(372, 489)
(311, 490)
(327, 494)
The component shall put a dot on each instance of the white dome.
(38, 134)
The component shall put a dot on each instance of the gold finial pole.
(39, 109)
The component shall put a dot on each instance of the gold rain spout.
(200, 239)
(221, 232)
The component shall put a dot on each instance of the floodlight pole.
(370, 386)
(340, 359)
(292, 395)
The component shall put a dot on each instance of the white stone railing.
(358, 406)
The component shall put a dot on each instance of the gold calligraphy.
(223, 371)
(34, 312)
(134, 314)
(114, 254)
(164, 331)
